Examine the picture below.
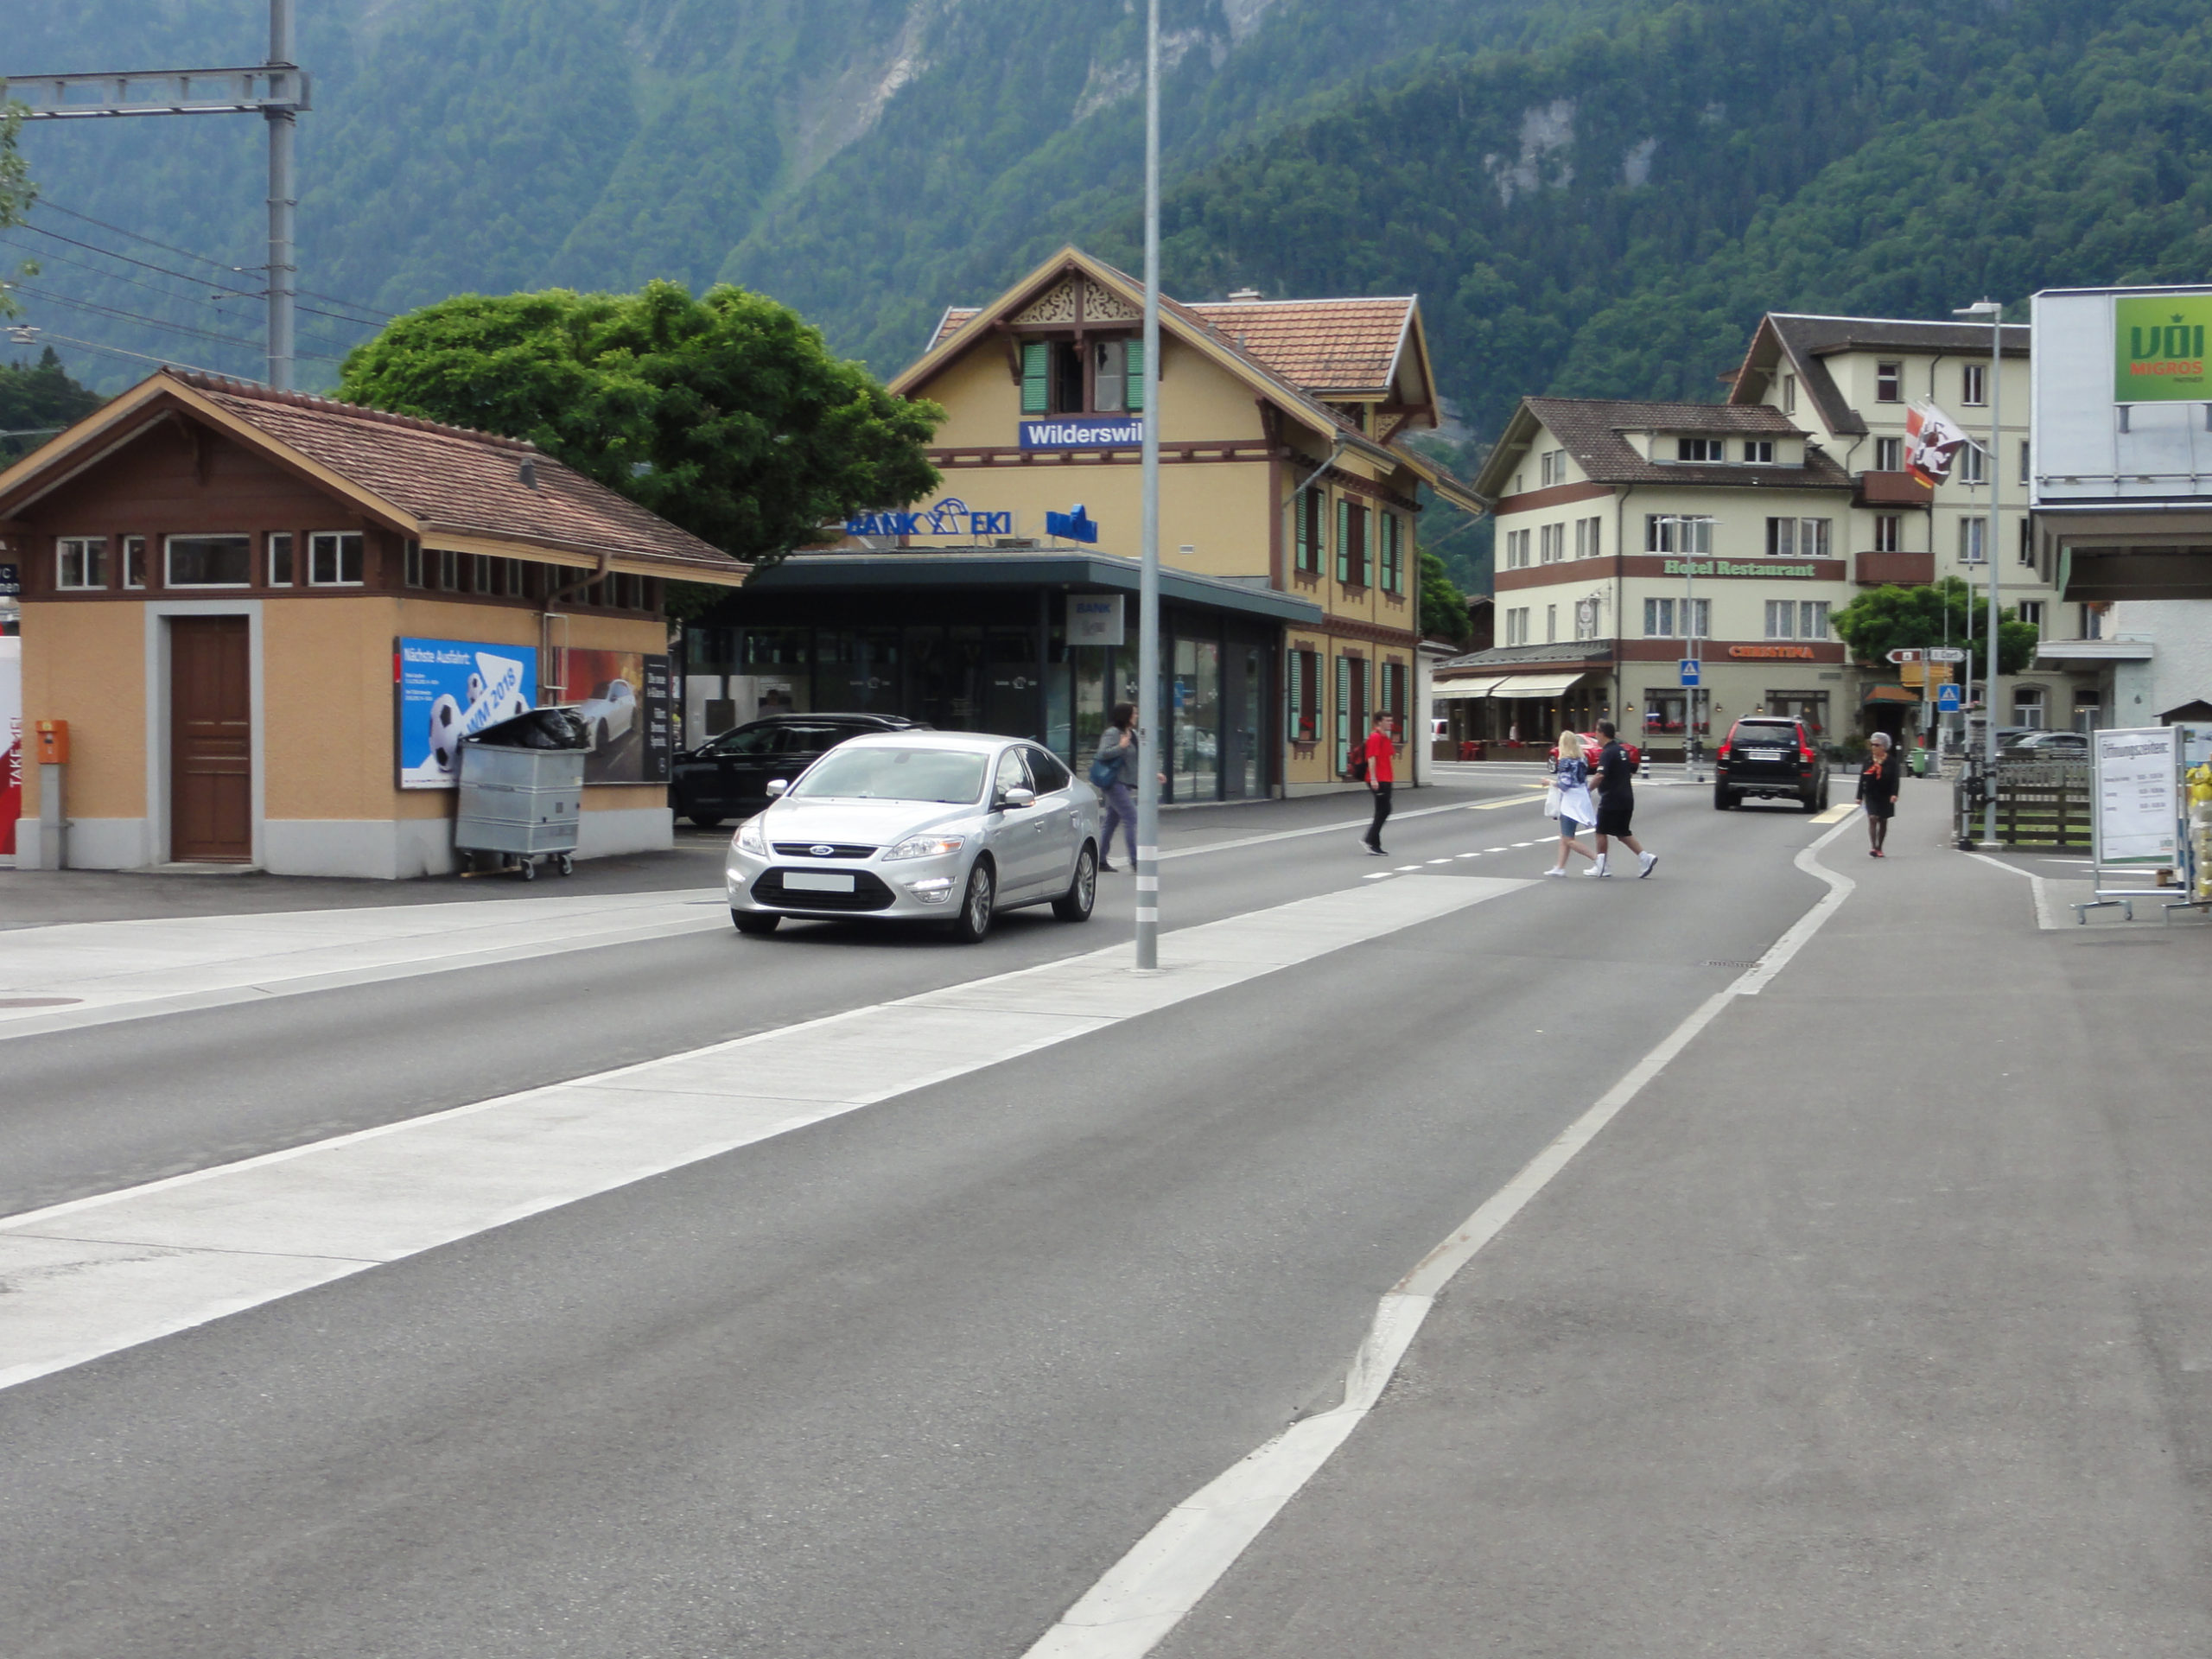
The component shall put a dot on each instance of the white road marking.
(131, 970)
(1446, 860)
(1508, 849)
(1408, 869)
(1147, 1593)
(1470, 854)
(1379, 875)
(93, 1276)
(2047, 917)
(1335, 829)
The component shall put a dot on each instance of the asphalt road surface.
(904, 1382)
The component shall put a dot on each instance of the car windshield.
(1765, 731)
(953, 776)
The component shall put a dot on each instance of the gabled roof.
(1323, 337)
(1804, 341)
(432, 482)
(1592, 431)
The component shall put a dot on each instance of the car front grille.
(870, 892)
(821, 849)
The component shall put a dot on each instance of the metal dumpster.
(522, 792)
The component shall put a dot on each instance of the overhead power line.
(149, 322)
(117, 350)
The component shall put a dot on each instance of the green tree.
(724, 413)
(1443, 606)
(1884, 620)
(36, 396)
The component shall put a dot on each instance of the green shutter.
(1301, 536)
(1036, 370)
(1344, 712)
(1135, 393)
(1343, 541)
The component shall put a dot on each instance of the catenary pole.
(1152, 754)
(283, 276)
(1995, 310)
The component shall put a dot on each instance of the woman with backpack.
(1569, 801)
(1112, 772)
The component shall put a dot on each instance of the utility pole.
(276, 90)
(1995, 310)
(1152, 754)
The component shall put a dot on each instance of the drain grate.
(1730, 962)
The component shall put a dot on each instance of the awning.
(1445, 690)
(1535, 685)
(1889, 694)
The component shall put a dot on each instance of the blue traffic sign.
(1689, 666)
(1947, 699)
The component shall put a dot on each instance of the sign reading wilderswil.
(2157, 342)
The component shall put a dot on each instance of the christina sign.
(1086, 432)
(2158, 343)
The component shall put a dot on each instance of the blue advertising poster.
(449, 689)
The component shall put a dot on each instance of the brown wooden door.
(210, 739)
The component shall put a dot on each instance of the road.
(904, 1381)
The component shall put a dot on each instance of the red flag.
(1931, 438)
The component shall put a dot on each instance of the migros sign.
(2158, 348)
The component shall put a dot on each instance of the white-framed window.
(1677, 532)
(1889, 383)
(1789, 394)
(2026, 550)
(80, 562)
(2024, 461)
(1517, 549)
(1551, 467)
(2028, 707)
(1517, 625)
(1589, 537)
(2031, 611)
(1551, 623)
(335, 558)
(1973, 384)
(1797, 539)
(1974, 541)
(1889, 532)
(1552, 544)
(134, 561)
(208, 562)
(1663, 618)
(1796, 618)
(411, 564)
(1889, 455)
(2093, 622)
(1700, 449)
(280, 558)
(1974, 463)
(1759, 452)
(513, 571)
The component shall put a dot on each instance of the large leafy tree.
(1884, 620)
(724, 413)
(1443, 606)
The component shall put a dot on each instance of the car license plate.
(816, 882)
(1763, 754)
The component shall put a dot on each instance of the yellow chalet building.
(1290, 581)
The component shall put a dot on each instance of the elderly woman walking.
(1571, 785)
(1878, 791)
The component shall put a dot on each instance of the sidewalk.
(1907, 1356)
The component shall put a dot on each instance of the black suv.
(727, 776)
(1769, 755)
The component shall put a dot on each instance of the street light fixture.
(1995, 310)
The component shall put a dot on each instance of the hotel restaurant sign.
(1738, 567)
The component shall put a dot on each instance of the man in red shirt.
(1376, 753)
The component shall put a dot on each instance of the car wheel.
(755, 922)
(974, 917)
(600, 742)
(1074, 905)
(1725, 800)
(705, 820)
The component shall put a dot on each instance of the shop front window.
(1195, 714)
(857, 671)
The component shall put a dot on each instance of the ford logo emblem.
(824, 851)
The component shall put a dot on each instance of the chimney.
(1244, 296)
(529, 472)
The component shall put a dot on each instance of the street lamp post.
(1995, 310)
(1151, 753)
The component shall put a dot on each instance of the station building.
(265, 615)
(1288, 534)
(1633, 535)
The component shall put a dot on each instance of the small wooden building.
(267, 617)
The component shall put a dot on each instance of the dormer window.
(1889, 383)
(1759, 452)
(1093, 377)
(1699, 449)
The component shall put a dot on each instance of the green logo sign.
(2158, 348)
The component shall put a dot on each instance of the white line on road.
(2046, 911)
(1341, 825)
(93, 1276)
(1147, 1593)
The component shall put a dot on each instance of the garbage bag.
(540, 728)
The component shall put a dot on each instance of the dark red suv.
(1769, 756)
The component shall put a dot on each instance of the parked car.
(609, 713)
(727, 776)
(919, 826)
(1769, 756)
(2044, 745)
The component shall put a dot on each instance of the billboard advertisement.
(447, 689)
(2158, 347)
(622, 697)
(2120, 390)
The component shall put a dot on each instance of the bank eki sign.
(951, 517)
(2158, 343)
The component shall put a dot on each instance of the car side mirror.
(1017, 797)
(777, 786)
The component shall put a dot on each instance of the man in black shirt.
(1615, 786)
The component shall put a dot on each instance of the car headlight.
(927, 846)
(751, 838)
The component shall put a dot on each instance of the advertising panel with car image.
(622, 698)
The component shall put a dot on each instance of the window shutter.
(1135, 395)
(1301, 538)
(1036, 372)
(1344, 712)
(1344, 541)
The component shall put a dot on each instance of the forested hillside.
(1589, 195)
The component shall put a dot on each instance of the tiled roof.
(1320, 345)
(458, 480)
(1808, 339)
(1591, 430)
(956, 317)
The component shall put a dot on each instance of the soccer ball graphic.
(475, 690)
(445, 733)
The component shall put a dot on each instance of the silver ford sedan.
(944, 827)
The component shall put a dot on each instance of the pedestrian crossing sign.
(1947, 699)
